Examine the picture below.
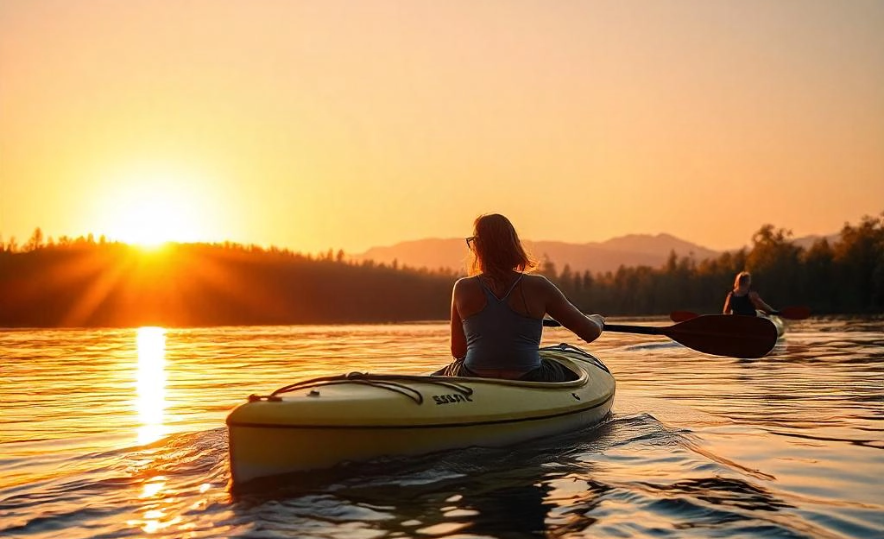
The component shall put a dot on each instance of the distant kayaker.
(743, 300)
(497, 312)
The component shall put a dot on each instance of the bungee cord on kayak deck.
(384, 381)
(388, 381)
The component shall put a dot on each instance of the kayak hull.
(261, 452)
(326, 422)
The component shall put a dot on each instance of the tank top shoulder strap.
(491, 293)
(488, 291)
(512, 287)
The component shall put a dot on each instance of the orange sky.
(327, 124)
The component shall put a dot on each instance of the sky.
(344, 125)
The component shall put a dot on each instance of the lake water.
(117, 433)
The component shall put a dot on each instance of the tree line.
(842, 277)
(84, 282)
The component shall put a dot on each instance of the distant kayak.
(322, 422)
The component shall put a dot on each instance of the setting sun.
(150, 212)
(155, 220)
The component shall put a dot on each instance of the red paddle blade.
(681, 316)
(725, 335)
(789, 313)
(795, 313)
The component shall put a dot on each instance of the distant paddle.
(682, 316)
(716, 334)
(789, 313)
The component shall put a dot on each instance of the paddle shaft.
(644, 330)
(620, 328)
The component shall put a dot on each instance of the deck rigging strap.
(391, 382)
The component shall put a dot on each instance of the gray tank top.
(500, 338)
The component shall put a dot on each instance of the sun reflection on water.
(151, 383)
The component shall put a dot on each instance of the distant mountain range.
(630, 250)
(806, 242)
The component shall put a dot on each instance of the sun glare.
(155, 219)
(150, 212)
(151, 383)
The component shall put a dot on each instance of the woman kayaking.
(497, 312)
(743, 300)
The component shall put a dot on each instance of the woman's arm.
(760, 304)
(586, 327)
(727, 304)
(458, 339)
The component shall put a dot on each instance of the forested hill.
(83, 283)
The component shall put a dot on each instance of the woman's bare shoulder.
(538, 282)
(465, 283)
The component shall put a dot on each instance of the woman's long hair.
(496, 248)
(742, 278)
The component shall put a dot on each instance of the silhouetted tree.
(859, 258)
(36, 240)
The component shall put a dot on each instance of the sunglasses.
(470, 241)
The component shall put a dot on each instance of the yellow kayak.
(322, 422)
